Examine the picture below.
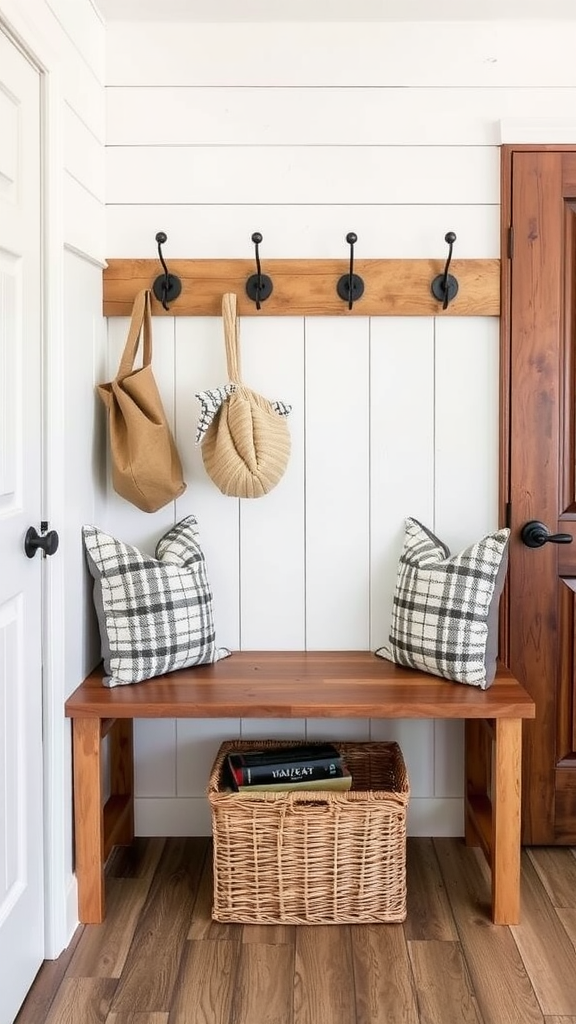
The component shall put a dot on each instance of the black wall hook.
(167, 287)
(350, 287)
(258, 286)
(444, 287)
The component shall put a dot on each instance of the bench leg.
(478, 746)
(119, 809)
(88, 819)
(506, 784)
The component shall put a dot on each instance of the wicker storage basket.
(314, 857)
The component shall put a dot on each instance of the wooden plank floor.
(160, 959)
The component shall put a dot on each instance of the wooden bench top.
(295, 684)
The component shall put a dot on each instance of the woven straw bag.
(246, 447)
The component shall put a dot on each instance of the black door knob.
(535, 534)
(48, 542)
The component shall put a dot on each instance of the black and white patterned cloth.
(445, 610)
(212, 400)
(154, 613)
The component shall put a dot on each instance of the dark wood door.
(539, 457)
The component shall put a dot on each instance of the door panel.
(21, 816)
(542, 581)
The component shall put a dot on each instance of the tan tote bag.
(146, 468)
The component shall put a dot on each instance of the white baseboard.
(190, 816)
(72, 921)
(172, 816)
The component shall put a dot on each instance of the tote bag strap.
(141, 317)
(231, 336)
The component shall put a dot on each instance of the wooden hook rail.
(308, 287)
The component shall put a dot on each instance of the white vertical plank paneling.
(272, 542)
(401, 485)
(273, 728)
(416, 741)
(201, 364)
(353, 729)
(172, 816)
(155, 757)
(401, 449)
(337, 484)
(466, 500)
(466, 492)
(198, 741)
(448, 758)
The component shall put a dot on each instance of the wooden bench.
(343, 684)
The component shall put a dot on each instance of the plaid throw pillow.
(155, 614)
(445, 610)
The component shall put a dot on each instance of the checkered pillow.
(155, 614)
(445, 611)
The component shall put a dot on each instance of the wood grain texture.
(82, 999)
(386, 977)
(122, 774)
(151, 968)
(568, 919)
(102, 950)
(263, 989)
(292, 684)
(137, 1018)
(202, 926)
(383, 979)
(429, 915)
(323, 971)
(540, 296)
(139, 860)
(308, 287)
(442, 983)
(505, 821)
(556, 870)
(549, 958)
(206, 983)
(88, 817)
(505, 995)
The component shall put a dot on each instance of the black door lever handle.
(535, 534)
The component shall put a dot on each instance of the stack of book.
(302, 767)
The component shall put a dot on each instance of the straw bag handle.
(141, 315)
(231, 336)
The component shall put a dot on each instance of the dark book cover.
(302, 762)
(342, 783)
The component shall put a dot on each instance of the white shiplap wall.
(305, 133)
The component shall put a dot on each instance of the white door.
(21, 826)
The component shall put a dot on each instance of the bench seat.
(292, 684)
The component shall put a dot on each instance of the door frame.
(60, 898)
